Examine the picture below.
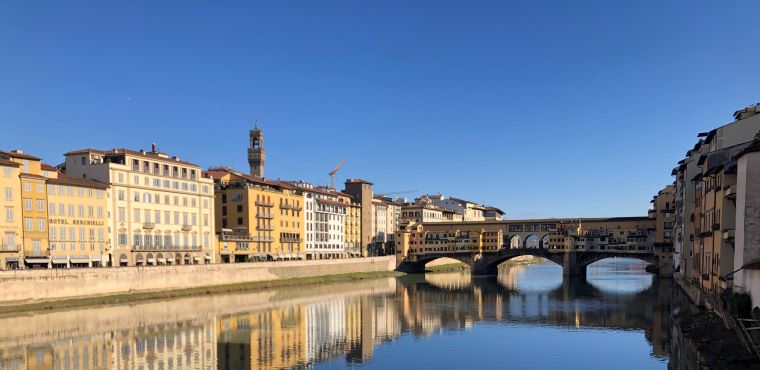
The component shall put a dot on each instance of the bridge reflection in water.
(328, 325)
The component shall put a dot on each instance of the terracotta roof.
(33, 176)
(9, 163)
(356, 181)
(48, 167)
(87, 183)
(226, 170)
(335, 202)
(18, 155)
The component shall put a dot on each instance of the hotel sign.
(60, 221)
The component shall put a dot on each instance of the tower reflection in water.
(308, 326)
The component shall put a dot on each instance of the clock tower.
(256, 154)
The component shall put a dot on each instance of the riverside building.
(325, 222)
(11, 233)
(257, 218)
(161, 208)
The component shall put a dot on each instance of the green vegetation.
(447, 268)
(125, 298)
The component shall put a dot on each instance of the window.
(41, 224)
(41, 205)
(27, 187)
(7, 171)
(28, 224)
(122, 214)
(122, 239)
(8, 194)
(28, 204)
(9, 214)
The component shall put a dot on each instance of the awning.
(37, 260)
(151, 260)
(123, 260)
(60, 259)
(80, 259)
(161, 260)
(208, 257)
(196, 258)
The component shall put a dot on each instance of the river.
(528, 318)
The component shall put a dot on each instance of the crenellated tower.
(256, 154)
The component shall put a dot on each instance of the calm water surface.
(529, 317)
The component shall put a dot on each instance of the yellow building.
(11, 232)
(78, 222)
(33, 208)
(269, 339)
(257, 218)
(353, 229)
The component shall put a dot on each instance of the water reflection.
(344, 325)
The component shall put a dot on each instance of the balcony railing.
(265, 227)
(148, 225)
(264, 204)
(245, 238)
(167, 248)
(290, 240)
(187, 227)
(10, 248)
(264, 215)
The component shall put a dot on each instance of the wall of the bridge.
(574, 263)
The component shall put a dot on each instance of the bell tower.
(256, 154)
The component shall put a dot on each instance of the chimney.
(153, 147)
(17, 151)
(142, 151)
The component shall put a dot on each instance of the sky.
(541, 108)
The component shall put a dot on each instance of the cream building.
(78, 222)
(161, 207)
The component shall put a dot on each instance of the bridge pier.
(411, 267)
(571, 265)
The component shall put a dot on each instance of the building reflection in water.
(303, 327)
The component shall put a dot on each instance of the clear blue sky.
(542, 108)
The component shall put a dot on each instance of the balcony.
(286, 206)
(296, 208)
(264, 215)
(264, 203)
(715, 227)
(9, 248)
(290, 240)
(187, 227)
(730, 192)
(265, 227)
(729, 234)
(148, 225)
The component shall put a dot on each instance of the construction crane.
(334, 171)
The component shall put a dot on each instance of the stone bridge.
(573, 263)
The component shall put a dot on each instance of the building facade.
(11, 232)
(161, 207)
(257, 218)
(361, 194)
(663, 212)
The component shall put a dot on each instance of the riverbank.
(54, 287)
(179, 293)
(718, 347)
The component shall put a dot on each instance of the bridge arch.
(515, 242)
(545, 241)
(492, 264)
(589, 258)
(532, 241)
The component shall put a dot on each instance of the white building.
(161, 209)
(324, 221)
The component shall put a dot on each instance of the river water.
(619, 317)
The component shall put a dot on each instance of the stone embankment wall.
(33, 286)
